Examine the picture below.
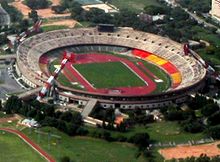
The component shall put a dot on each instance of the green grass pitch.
(84, 149)
(13, 149)
(109, 75)
(161, 87)
(137, 5)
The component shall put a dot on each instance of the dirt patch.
(43, 13)
(11, 118)
(66, 22)
(188, 151)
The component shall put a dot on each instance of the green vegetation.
(62, 79)
(2, 115)
(202, 6)
(13, 149)
(84, 148)
(53, 27)
(136, 5)
(83, 24)
(171, 131)
(109, 75)
(206, 35)
(213, 58)
(164, 132)
(37, 4)
(162, 86)
(15, 15)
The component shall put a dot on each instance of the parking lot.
(8, 84)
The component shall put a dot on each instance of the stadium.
(121, 68)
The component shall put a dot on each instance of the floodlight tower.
(67, 57)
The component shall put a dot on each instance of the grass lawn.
(2, 115)
(109, 75)
(92, 74)
(13, 149)
(53, 27)
(136, 5)
(170, 131)
(62, 79)
(213, 58)
(82, 24)
(161, 87)
(161, 132)
(206, 35)
(84, 149)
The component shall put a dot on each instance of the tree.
(37, 4)
(58, 9)
(3, 39)
(33, 15)
(0, 105)
(214, 132)
(65, 159)
(49, 121)
(154, 10)
(214, 119)
(40, 116)
(76, 10)
(193, 126)
(15, 15)
(210, 50)
(66, 116)
(62, 126)
(32, 113)
(23, 26)
(141, 140)
(106, 136)
(77, 118)
(13, 104)
(48, 109)
(97, 16)
(209, 109)
(71, 129)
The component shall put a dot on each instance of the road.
(201, 21)
(4, 17)
(30, 93)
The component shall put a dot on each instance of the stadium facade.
(188, 79)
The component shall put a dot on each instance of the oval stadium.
(124, 68)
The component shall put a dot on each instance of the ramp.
(88, 108)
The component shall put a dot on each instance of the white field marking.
(158, 80)
(135, 73)
(82, 77)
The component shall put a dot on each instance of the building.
(215, 11)
(30, 123)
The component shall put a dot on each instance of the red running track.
(98, 58)
(148, 71)
(30, 143)
(80, 78)
(69, 75)
(44, 60)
